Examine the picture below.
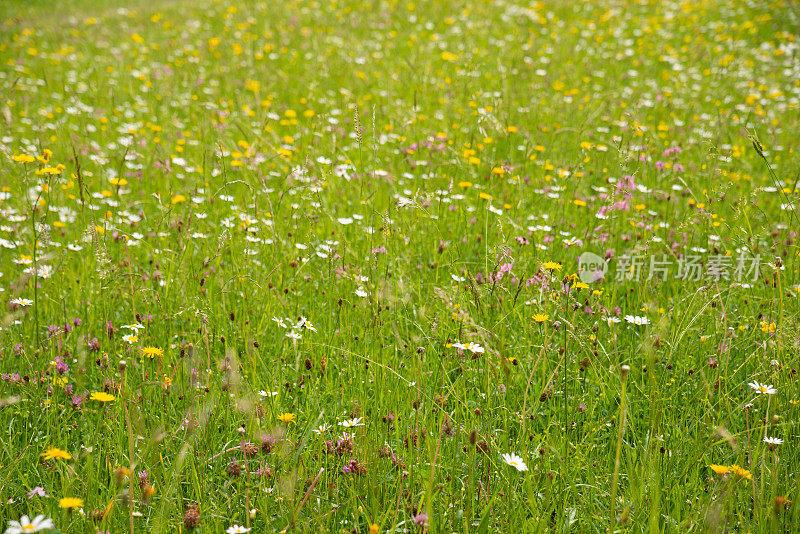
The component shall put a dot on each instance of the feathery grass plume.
(357, 125)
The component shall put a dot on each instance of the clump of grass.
(221, 311)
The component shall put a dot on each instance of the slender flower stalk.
(624, 370)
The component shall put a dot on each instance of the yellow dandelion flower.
(70, 502)
(719, 469)
(741, 472)
(23, 158)
(152, 352)
(54, 453)
(49, 170)
(286, 418)
(102, 396)
(252, 85)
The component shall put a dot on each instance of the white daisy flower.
(637, 320)
(305, 323)
(514, 461)
(351, 423)
(321, 429)
(25, 525)
(763, 388)
(472, 347)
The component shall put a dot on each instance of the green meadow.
(378, 266)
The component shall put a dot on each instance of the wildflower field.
(399, 266)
